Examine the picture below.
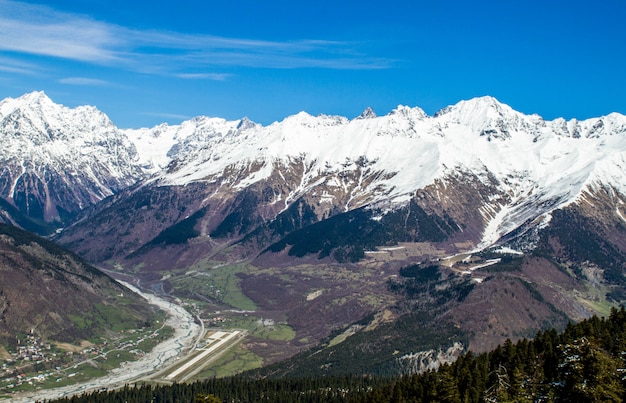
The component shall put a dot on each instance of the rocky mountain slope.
(480, 171)
(53, 294)
(57, 161)
(318, 215)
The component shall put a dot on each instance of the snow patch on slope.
(537, 165)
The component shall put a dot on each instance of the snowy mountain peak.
(373, 159)
(37, 101)
(368, 113)
(57, 160)
(490, 118)
(407, 111)
(35, 97)
(245, 124)
(304, 119)
(477, 109)
(35, 114)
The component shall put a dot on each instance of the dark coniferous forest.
(584, 363)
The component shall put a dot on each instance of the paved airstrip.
(217, 343)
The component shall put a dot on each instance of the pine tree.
(447, 389)
(589, 373)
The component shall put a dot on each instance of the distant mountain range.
(476, 176)
(488, 171)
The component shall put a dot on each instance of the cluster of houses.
(33, 349)
(29, 352)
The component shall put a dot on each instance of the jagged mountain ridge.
(56, 160)
(519, 167)
(338, 164)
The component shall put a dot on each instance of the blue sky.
(147, 62)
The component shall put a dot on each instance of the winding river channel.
(185, 336)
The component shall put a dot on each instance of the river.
(186, 332)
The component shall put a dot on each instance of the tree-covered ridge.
(347, 235)
(240, 389)
(584, 363)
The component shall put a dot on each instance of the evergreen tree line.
(335, 389)
(584, 363)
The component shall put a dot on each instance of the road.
(186, 334)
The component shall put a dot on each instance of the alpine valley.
(379, 244)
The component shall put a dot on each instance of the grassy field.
(256, 327)
(236, 360)
(225, 279)
(216, 282)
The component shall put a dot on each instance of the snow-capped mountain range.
(56, 161)
(548, 162)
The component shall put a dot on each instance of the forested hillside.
(584, 363)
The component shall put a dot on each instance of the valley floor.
(187, 333)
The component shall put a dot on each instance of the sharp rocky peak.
(368, 113)
(35, 98)
(37, 95)
(245, 123)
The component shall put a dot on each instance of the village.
(31, 354)
(37, 364)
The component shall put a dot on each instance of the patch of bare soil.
(516, 303)
(4, 354)
(73, 347)
(271, 350)
(557, 287)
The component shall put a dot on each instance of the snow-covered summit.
(368, 113)
(57, 160)
(548, 162)
(387, 158)
(39, 114)
(458, 135)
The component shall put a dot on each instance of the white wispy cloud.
(83, 81)
(11, 65)
(204, 76)
(167, 115)
(42, 30)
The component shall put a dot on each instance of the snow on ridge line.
(372, 138)
(549, 166)
(406, 143)
(550, 163)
